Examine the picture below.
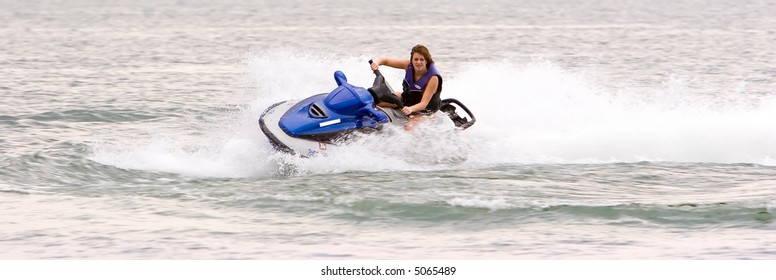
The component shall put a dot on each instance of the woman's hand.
(375, 64)
(406, 110)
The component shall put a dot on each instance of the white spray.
(526, 113)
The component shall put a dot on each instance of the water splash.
(535, 112)
(541, 113)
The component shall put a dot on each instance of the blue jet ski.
(318, 124)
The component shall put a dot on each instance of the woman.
(422, 85)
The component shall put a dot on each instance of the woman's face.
(418, 62)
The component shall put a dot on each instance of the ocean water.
(606, 130)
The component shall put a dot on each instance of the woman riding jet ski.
(317, 124)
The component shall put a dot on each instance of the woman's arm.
(390, 61)
(431, 88)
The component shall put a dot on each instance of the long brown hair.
(422, 50)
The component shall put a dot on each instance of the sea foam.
(533, 112)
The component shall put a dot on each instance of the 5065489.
(434, 270)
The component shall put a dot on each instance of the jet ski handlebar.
(382, 92)
(376, 71)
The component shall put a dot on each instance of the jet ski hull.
(281, 141)
(318, 124)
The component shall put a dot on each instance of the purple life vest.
(413, 90)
